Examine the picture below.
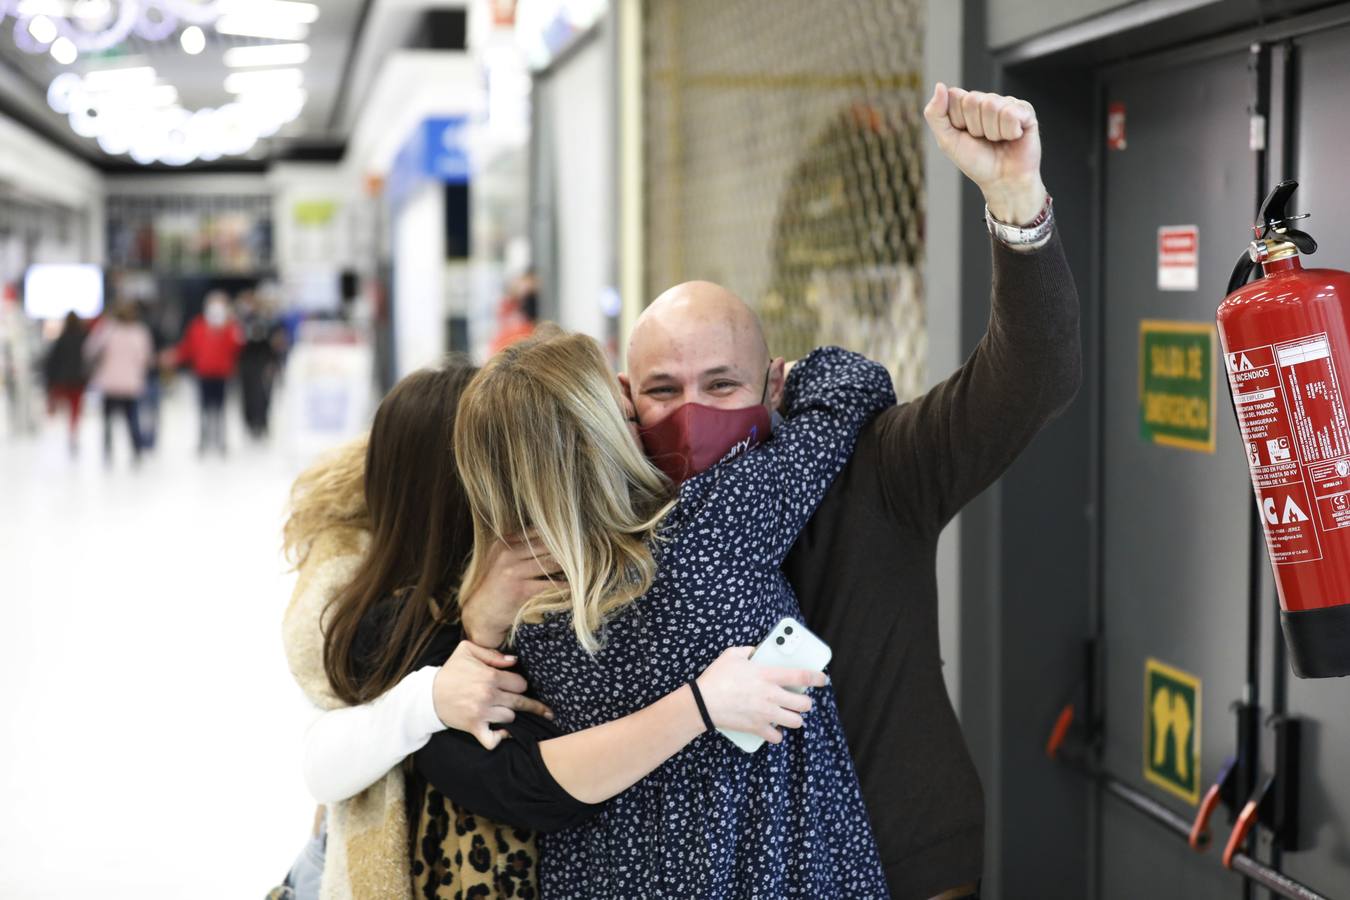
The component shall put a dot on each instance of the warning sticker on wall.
(1178, 258)
(1176, 384)
(1293, 420)
(1172, 730)
(1115, 126)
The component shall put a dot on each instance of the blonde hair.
(542, 444)
(331, 493)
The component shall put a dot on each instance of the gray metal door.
(1323, 154)
(1175, 521)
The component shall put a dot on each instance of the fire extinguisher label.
(1294, 423)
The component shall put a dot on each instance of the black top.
(260, 341)
(65, 364)
(865, 568)
(865, 572)
(510, 784)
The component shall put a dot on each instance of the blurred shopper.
(67, 373)
(121, 350)
(517, 312)
(370, 597)
(16, 361)
(264, 348)
(211, 347)
(154, 378)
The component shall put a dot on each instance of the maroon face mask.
(695, 437)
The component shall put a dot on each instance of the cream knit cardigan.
(367, 856)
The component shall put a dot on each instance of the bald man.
(699, 343)
(865, 568)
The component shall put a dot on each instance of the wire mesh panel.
(783, 160)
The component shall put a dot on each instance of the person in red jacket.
(211, 348)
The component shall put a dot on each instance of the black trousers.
(256, 381)
(212, 394)
(130, 408)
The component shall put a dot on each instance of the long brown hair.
(543, 445)
(421, 537)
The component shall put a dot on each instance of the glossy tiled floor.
(149, 729)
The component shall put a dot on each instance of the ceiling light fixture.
(156, 24)
(62, 91)
(64, 51)
(263, 80)
(157, 97)
(41, 8)
(128, 110)
(43, 30)
(119, 79)
(267, 55)
(193, 40)
(260, 27)
(280, 10)
(162, 95)
(105, 32)
(96, 26)
(92, 10)
(198, 12)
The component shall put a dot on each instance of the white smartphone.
(789, 645)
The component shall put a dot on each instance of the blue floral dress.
(714, 821)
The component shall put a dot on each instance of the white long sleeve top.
(347, 750)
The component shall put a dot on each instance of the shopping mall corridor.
(151, 746)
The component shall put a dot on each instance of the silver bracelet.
(1032, 235)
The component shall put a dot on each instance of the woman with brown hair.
(67, 373)
(374, 635)
(379, 532)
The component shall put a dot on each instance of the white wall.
(409, 87)
(1010, 21)
(188, 183)
(386, 27)
(942, 256)
(39, 169)
(419, 279)
(315, 253)
(586, 182)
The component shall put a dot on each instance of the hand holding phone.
(789, 645)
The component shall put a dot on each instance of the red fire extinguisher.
(1286, 343)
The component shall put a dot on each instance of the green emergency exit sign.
(1172, 730)
(1177, 381)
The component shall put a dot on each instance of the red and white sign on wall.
(1178, 258)
(1115, 126)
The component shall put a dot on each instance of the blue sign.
(435, 151)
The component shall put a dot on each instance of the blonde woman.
(653, 591)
